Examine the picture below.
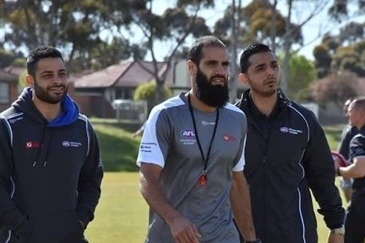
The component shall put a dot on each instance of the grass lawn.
(121, 215)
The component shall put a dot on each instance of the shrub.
(147, 92)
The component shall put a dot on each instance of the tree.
(262, 22)
(21, 80)
(147, 92)
(352, 32)
(102, 55)
(241, 26)
(171, 28)
(76, 27)
(291, 31)
(73, 26)
(323, 60)
(256, 24)
(18, 62)
(6, 58)
(346, 58)
(301, 74)
(340, 9)
(337, 88)
(342, 52)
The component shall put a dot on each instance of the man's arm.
(355, 170)
(357, 167)
(11, 218)
(241, 206)
(181, 229)
(319, 173)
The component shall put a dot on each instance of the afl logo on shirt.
(187, 134)
(187, 137)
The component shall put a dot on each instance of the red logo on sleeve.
(32, 144)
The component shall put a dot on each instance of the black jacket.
(357, 149)
(287, 154)
(50, 173)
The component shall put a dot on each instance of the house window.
(128, 94)
(124, 93)
(4, 93)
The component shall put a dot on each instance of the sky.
(312, 31)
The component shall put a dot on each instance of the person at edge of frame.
(355, 219)
(347, 134)
(50, 165)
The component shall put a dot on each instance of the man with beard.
(287, 156)
(191, 158)
(50, 165)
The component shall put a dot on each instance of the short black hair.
(195, 52)
(38, 54)
(248, 52)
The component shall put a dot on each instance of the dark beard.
(44, 96)
(209, 94)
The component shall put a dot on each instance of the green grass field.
(121, 215)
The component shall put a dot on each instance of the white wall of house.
(180, 78)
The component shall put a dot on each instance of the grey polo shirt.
(169, 141)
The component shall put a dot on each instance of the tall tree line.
(96, 34)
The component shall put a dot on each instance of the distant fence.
(130, 110)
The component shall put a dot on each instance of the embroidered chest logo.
(208, 123)
(71, 144)
(188, 134)
(290, 130)
(187, 137)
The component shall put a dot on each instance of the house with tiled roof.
(96, 91)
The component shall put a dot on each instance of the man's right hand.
(184, 231)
